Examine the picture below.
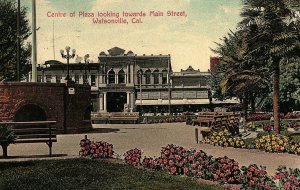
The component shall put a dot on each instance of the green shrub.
(7, 137)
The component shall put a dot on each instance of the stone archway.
(30, 112)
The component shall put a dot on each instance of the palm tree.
(241, 76)
(7, 137)
(277, 38)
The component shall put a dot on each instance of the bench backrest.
(33, 132)
(228, 121)
(124, 114)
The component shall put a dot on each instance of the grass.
(295, 137)
(88, 174)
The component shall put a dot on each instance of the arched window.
(164, 76)
(30, 112)
(121, 77)
(139, 77)
(148, 76)
(156, 76)
(111, 77)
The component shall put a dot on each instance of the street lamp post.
(86, 61)
(68, 56)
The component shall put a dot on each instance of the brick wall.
(51, 98)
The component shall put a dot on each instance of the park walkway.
(150, 138)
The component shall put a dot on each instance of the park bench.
(205, 118)
(35, 132)
(220, 121)
(124, 117)
(100, 117)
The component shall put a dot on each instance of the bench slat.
(35, 130)
(32, 126)
(34, 140)
(32, 136)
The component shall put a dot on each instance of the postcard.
(206, 89)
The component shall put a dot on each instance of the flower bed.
(133, 157)
(288, 179)
(262, 116)
(99, 149)
(294, 148)
(294, 125)
(180, 161)
(273, 143)
(254, 177)
(167, 120)
(269, 143)
(224, 139)
(259, 117)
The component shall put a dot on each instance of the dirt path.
(150, 138)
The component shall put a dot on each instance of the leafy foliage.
(7, 136)
(8, 41)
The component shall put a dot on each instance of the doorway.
(116, 101)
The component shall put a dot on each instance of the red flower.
(173, 170)
(185, 170)
(251, 183)
(200, 174)
(287, 185)
(216, 177)
(249, 174)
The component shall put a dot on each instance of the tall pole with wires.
(53, 40)
(169, 87)
(34, 46)
(18, 42)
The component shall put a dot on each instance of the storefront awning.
(173, 102)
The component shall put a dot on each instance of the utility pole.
(34, 46)
(53, 40)
(169, 88)
(18, 41)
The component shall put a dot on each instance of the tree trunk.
(253, 109)
(276, 96)
(245, 114)
(245, 108)
(4, 148)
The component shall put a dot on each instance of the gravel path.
(150, 138)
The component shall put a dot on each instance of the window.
(121, 77)
(156, 77)
(203, 82)
(164, 76)
(139, 77)
(48, 78)
(57, 79)
(85, 79)
(77, 79)
(93, 80)
(39, 78)
(148, 76)
(111, 77)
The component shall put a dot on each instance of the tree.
(8, 41)
(277, 40)
(240, 76)
(289, 86)
(7, 137)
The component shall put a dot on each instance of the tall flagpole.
(34, 46)
(18, 41)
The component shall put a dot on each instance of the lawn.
(88, 174)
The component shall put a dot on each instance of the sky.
(187, 38)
